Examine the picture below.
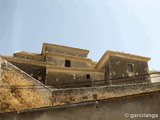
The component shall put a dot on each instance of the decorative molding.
(52, 68)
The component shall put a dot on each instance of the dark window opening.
(130, 68)
(67, 63)
(88, 76)
(87, 86)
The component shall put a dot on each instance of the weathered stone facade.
(36, 69)
(18, 90)
(114, 104)
(124, 68)
(60, 77)
(70, 66)
(60, 59)
(60, 49)
(84, 101)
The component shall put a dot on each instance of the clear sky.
(131, 26)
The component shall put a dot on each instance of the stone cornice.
(26, 53)
(52, 68)
(29, 54)
(16, 59)
(67, 56)
(61, 46)
(120, 54)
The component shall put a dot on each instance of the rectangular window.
(88, 76)
(130, 68)
(67, 63)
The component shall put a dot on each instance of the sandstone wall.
(64, 50)
(18, 90)
(76, 95)
(116, 71)
(73, 77)
(114, 109)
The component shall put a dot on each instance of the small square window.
(130, 68)
(88, 76)
(67, 63)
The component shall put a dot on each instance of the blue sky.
(131, 26)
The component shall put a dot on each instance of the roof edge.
(73, 48)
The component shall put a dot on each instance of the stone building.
(123, 68)
(62, 66)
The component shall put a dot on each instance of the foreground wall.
(21, 91)
(76, 95)
(114, 109)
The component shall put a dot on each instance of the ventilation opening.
(88, 76)
(67, 63)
